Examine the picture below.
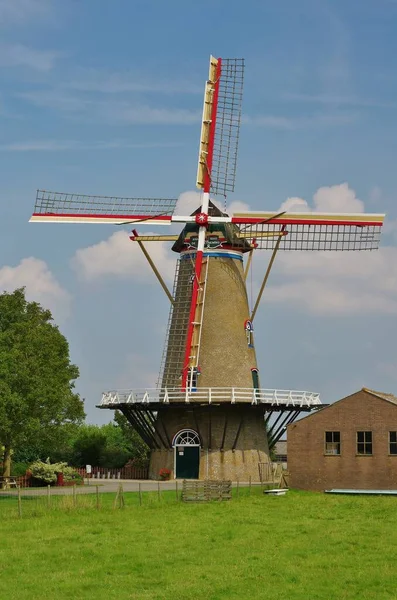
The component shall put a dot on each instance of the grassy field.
(300, 546)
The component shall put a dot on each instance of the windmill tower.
(209, 415)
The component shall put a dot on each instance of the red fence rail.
(25, 481)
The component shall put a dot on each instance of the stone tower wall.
(225, 358)
(216, 463)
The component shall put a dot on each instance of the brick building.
(349, 444)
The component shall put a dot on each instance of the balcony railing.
(214, 395)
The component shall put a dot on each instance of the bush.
(19, 468)
(46, 473)
(165, 474)
(70, 475)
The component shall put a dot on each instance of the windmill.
(209, 415)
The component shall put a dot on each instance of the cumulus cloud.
(323, 283)
(334, 198)
(118, 256)
(41, 285)
(188, 202)
(335, 283)
(346, 283)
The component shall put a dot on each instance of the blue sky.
(105, 97)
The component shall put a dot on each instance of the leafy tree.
(108, 445)
(36, 376)
(139, 450)
(88, 446)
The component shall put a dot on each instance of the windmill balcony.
(213, 395)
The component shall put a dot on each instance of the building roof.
(382, 395)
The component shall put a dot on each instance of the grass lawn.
(299, 546)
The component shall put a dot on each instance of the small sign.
(248, 325)
(88, 469)
(213, 241)
(249, 329)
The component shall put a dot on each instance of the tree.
(110, 445)
(139, 450)
(37, 394)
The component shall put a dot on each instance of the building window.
(392, 442)
(364, 442)
(332, 442)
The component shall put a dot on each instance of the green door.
(187, 462)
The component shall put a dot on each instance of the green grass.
(300, 546)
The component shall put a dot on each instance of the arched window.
(186, 437)
(255, 378)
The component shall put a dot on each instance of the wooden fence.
(205, 491)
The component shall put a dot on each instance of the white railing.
(212, 395)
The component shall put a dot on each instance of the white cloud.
(18, 55)
(335, 198)
(336, 283)
(118, 256)
(188, 202)
(41, 285)
(294, 204)
(237, 206)
(323, 283)
(346, 283)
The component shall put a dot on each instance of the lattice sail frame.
(311, 231)
(220, 127)
(80, 208)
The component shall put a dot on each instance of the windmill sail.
(80, 208)
(311, 231)
(221, 125)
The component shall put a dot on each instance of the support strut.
(269, 268)
(161, 281)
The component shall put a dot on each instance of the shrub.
(19, 468)
(165, 474)
(46, 473)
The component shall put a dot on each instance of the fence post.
(158, 490)
(19, 502)
(97, 496)
(250, 485)
(176, 489)
(48, 496)
(237, 490)
(121, 497)
(140, 494)
(74, 495)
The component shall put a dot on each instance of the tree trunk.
(6, 464)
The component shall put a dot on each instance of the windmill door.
(187, 454)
